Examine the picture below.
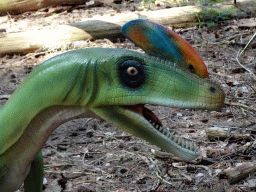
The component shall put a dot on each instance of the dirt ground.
(88, 155)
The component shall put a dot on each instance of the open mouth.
(183, 146)
(146, 113)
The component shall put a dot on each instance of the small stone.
(200, 175)
(179, 114)
(121, 145)
(252, 183)
(14, 75)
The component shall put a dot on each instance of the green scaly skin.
(88, 83)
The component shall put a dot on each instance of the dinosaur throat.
(146, 113)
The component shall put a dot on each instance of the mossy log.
(238, 173)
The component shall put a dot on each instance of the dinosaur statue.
(105, 83)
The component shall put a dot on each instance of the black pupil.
(131, 73)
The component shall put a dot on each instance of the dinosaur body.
(111, 84)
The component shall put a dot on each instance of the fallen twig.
(161, 154)
(241, 52)
(249, 42)
(4, 97)
(240, 105)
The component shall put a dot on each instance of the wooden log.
(238, 173)
(18, 6)
(97, 27)
(94, 28)
(217, 133)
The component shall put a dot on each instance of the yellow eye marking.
(132, 71)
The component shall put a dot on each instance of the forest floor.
(88, 155)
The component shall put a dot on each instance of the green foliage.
(208, 16)
(148, 4)
(184, 3)
(208, 2)
(211, 17)
(1, 5)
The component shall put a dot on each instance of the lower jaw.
(187, 147)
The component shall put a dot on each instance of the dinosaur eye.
(131, 73)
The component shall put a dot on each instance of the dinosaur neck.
(45, 87)
(17, 159)
(41, 127)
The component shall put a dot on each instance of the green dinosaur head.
(127, 80)
(113, 84)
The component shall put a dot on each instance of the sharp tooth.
(184, 144)
(167, 133)
(171, 135)
(195, 147)
(189, 146)
(180, 142)
(175, 139)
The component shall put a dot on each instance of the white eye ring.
(132, 71)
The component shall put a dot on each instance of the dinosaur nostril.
(191, 68)
(212, 89)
